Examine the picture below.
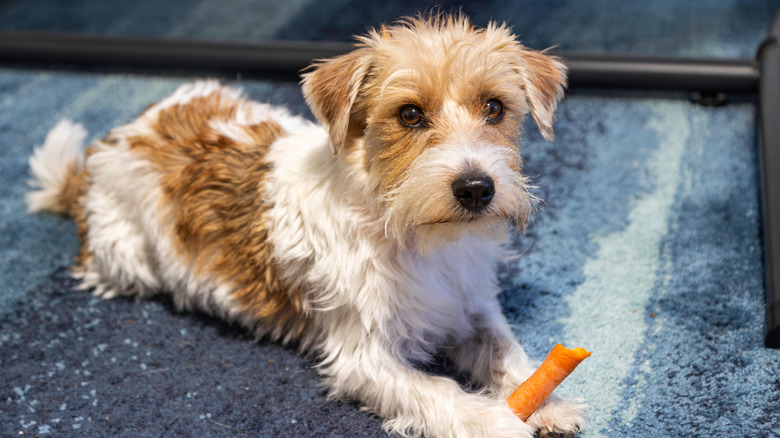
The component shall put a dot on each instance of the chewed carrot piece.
(556, 367)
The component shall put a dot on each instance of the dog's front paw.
(557, 417)
(491, 419)
(470, 416)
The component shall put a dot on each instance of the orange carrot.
(556, 366)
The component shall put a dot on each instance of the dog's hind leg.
(116, 260)
(110, 258)
(114, 214)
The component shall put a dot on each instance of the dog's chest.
(448, 287)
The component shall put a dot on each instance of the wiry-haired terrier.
(371, 241)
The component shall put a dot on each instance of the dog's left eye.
(493, 110)
(411, 116)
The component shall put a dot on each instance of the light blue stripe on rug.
(702, 365)
(607, 311)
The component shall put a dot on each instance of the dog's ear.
(544, 78)
(331, 89)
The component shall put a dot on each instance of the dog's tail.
(56, 169)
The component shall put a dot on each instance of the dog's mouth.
(439, 222)
(466, 218)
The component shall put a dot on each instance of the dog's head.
(431, 109)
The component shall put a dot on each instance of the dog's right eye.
(411, 116)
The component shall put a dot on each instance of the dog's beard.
(421, 209)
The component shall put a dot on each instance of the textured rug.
(647, 250)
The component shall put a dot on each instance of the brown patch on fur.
(219, 214)
(391, 147)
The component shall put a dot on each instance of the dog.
(369, 240)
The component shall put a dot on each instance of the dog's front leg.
(412, 402)
(495, 360)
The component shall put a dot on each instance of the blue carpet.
(647, 250)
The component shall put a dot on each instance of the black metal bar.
(164, 53)
(656, 73)
(587, 71)
(769, 61)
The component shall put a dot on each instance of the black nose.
(474, 192)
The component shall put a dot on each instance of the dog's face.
(431, 110)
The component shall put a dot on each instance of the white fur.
(377, 308)
(49, 164)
